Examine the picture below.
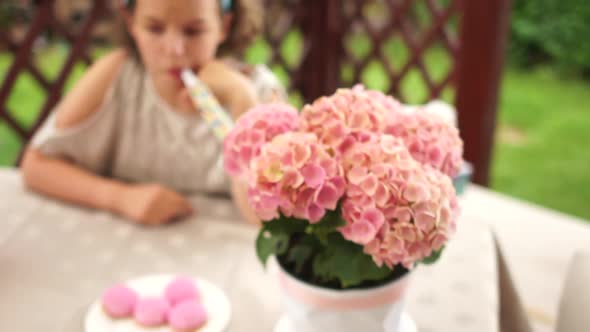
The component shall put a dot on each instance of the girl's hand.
(152, 204)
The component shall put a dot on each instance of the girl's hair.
(247, 23)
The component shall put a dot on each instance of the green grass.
(541, 152)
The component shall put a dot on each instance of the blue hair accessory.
(226, 5)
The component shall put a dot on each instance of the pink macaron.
(187, 315)
(119, 301)
(181, 289)
(151, 311)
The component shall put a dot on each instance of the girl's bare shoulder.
(88, 93)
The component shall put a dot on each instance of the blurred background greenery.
(544, 115)
(544, 111)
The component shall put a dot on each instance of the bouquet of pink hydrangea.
(353, 190)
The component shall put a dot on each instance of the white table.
(538, 243)
(55, 259)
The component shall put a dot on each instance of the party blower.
(215, 116)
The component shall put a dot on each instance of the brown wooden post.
(311, 74)
(481, 58)
(332, 45)
(321, 67)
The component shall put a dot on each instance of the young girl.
(127, 138)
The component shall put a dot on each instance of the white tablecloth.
(55, 259)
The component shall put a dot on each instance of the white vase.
(309, 308)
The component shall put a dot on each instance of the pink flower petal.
(374, 217)
(438, 242)
(256, 137)
(425, 221)
(435, 157)
(356, 175)
(330, 166)
(313, 175)
(245, 154)
(402, 214)
(292, 178)
(382, 195)
(335, 134)
(339, 184)
(360, 232)
(315, 213)
(327, 197)
(301, 154)
(370, 184)
(359, 120)
(415, 192)
(346, 144)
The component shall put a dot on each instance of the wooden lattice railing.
(24, 60)
(401, 44)
(414, 49)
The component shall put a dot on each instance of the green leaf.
(269, 243)
(302, 251)
(433, 257)
(323, 266)
(369, 270)
(273, 238)
(346, 262)
(299, 255)
(329, 224)
(286, 225)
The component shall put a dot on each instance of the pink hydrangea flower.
(389, 168)
(399, 210)
(348, 116)
(295, 175)
(430, 138)
(253, 129)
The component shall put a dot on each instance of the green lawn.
(540, 155)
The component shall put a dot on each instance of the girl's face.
(172, 35)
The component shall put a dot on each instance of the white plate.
(406, 324)
(213, 298)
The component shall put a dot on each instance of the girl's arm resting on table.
(61, 179)
(149, 204)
